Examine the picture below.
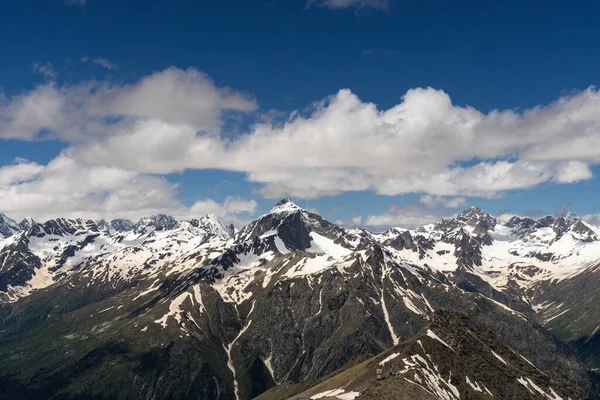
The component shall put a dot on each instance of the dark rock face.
(405, 241)
(587, 235)
(64, 226)
(294, 233)
(561, 225)
(524, 223)
(17, 265)
(26, 224)
(475, 216)
(103, 226)
(520, 226)
(545, 222)
(158, 222)
(467, 248)
(121, 225)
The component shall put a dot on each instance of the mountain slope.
(452, 358)
(8, 227)
(193, 309)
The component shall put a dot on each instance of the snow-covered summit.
(284, 206)
(211, 224)
(158, 222)
(475, 216)
(26, 224)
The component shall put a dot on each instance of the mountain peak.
(284, 206)
(212, 224)
(7, 226)
(121, 225)
(475, 215)
(27, 223)
(159, 222)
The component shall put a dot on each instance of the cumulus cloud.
(95, 109)
(173, 120)
(592, 219)
(409, 216)
(383, 5)
(426, 211)
(66, 187)
(430, 201)
(423, 145)
(21, 171)
(234, 210)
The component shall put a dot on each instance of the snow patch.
(337, 393)
(498, 357)
(389, 358)
(432, 335)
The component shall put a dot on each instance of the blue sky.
(101, 71)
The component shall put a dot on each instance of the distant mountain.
(8, 227)
(196, 309)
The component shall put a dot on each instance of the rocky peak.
(65, 226)
(473, 216)
(284, 206)
(211, 224)
(579, 229)
(544, 222)
(563, 224)
(103, 226)
(158, 222)
(27, 224)
(518, 222)
(121, 225)
(520, 226)
(293, 226)
(8, 227)
(446, 225)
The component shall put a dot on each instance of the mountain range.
(292, 305)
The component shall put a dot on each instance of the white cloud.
(89, 110)
(173, 120)
(430, 201)
(104, 63)
(357, 220)
(22, 171)
(592, 219)
(66, 187)
(409, 216)
(573, 171)
(233, 210)
(383, 5)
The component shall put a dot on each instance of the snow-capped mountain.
(8, 227)
(26, 224)
(288, 298)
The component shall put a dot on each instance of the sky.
(373, 113)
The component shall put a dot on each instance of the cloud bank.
(124, 137)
